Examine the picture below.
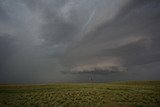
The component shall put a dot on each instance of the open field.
(118, 94)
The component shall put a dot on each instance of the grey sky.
(44, 41)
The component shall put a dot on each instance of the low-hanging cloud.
(97, 70)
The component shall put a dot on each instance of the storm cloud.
(66, 40)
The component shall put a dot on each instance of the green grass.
(117, 94)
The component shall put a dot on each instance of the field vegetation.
(116, 94)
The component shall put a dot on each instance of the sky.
(47, 41)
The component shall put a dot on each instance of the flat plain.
(114, 94)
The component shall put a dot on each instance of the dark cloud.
(7, 49)
(2, 14)
(131, 36)
(40, 39)
(56, 30)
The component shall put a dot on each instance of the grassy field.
(117, 94)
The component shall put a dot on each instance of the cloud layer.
(51, 40)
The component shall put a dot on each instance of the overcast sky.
(46, 41)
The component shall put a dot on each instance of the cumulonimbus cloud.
(46, 37)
